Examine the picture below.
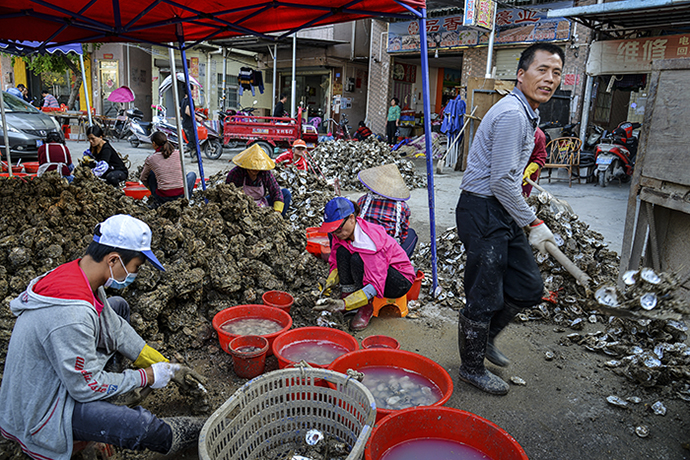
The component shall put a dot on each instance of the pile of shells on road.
(345, 159)
(641, 326)
(217, 254)
(310, 193)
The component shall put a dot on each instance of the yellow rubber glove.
(332, 279)
(278, 206)
(149, 356)
(529, 170)
(356, 300)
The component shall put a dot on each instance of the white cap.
(125, 232)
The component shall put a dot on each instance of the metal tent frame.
(190, 22)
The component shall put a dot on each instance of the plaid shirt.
(238, 175)
(381, 211)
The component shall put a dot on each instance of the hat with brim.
(335, 212)
(123, 231)
(254, 158)
(385, 180)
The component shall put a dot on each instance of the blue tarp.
(28, 47)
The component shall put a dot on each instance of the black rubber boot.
(185, 432)
(472, 340)
(498, 323)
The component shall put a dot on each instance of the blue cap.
(336, 210)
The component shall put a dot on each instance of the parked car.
(28, 128)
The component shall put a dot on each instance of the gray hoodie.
(55, 357)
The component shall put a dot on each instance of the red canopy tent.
(189, 22)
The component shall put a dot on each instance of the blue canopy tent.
(190, 22)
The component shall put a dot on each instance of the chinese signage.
(512, 26)
(635, 55)
(479, 13)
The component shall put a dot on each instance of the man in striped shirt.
(501, 275)
(49, 100)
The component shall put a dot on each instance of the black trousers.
(391, 128)
(500, 265)
(114, 177)
(351, 272)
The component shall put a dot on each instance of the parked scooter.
(142, 131)
(615, 154)
(554, 130)
(210, 142)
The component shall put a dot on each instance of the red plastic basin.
(136, 191)
(278, 299)
(250, 312)
(413, 293)
(380, 341)
(401, 359)
(318, 243)
(313, 333)
(443, 423)
(31, 166)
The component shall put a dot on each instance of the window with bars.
(232, 91)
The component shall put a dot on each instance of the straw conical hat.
(254, 158)
(385, 180)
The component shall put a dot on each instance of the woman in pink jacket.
(365, 260)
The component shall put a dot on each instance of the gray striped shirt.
(499, 153)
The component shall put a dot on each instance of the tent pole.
(490, 55)
(178, 122)
(86, 88)
(5, 135)
(188, 87)
(429, 151)
(225, 71)
(294, 78)
(275, 76)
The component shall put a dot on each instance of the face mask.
(115, 284)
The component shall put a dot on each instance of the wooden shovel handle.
(568, 264)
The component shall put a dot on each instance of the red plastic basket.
(401, 359)
(318, 243)
(278, 299)
(250, 311)
(313, 333)
(443, 423)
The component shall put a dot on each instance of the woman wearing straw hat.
(365, 260)
(385, 204)
(253, 176)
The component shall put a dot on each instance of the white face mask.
(115, 284)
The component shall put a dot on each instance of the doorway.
(109, 78)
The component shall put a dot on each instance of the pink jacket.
(388, 254)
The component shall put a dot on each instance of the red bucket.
(413, 293)
(318, 243)
(137, 191)
(247, 312)
(248, 364)
(401, 359)
(380, 341)
(278, 299)
(301, 334)
(442, 423)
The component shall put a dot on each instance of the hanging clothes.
(245, 80)
(258, 80)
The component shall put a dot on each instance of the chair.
(564, 153)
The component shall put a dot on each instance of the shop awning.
(619, 17)
(159, 21)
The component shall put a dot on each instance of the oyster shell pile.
(218, 254)
(345, 159)
(310, 193)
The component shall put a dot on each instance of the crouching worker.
(385, 204)
(54, 389)
(162, 172)
(365, 260)
(253, 175)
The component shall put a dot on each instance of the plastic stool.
(400, 303)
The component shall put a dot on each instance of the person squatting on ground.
(296, 156)
(54, 389)
(385, 204)
(253, 175)
(362, 132)
(54, 155)
(536, 161)
(162, 172)
(101, 150)
(501, 275)
(394, 113)
(365, 260)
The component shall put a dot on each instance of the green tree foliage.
(58, 63)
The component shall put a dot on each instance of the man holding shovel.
(501, 275)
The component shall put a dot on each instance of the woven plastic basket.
(281, 406)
